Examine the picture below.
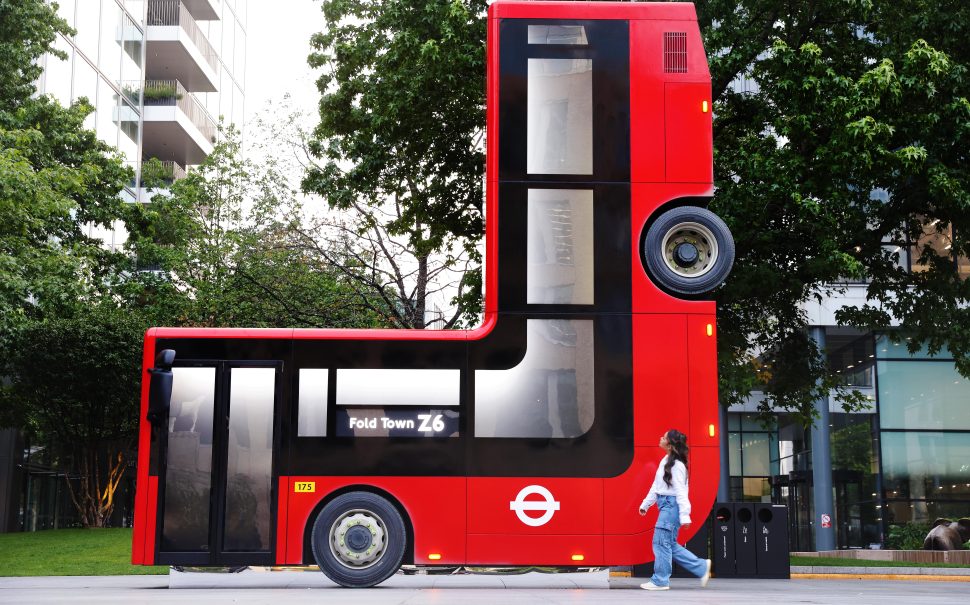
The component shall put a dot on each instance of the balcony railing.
(171, 92)
(173, 12)
(158, 173)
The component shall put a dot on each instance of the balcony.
(157, 176)
(203, 10)
(177, 127)
(177, 49)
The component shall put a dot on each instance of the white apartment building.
(159, 74)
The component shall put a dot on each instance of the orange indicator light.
(710, 430)
(434, 556)
(710, 329)
(704, 107)
(578, 557)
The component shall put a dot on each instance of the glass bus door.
(216, 490)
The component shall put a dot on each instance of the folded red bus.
(528, 441)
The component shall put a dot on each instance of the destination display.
(397, 422)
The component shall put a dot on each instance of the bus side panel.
(518, 549)
(577, 505)
(660, 393)
(645, 199)
(705, 472)
(702, 381)
(622, 495)
(631, 549)
(435, 507)
(506, 524)
(646, 102)
(143, 531)
(282, 509)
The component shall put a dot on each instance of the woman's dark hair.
(678, 451)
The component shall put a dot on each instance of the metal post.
(824, 522)
(724, 485)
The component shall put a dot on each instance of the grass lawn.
(70, 552)
(837, 562)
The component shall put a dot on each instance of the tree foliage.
(849, 147)
(56, 178)
(73, 384)
(400, 137)
(224, 247)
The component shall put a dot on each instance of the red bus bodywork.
(466, 519)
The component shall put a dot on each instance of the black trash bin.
(771, 527)
(722, 540)
(745, 553)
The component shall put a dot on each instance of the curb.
(929, 574)
(876, 576)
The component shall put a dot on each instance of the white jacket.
(678, 488)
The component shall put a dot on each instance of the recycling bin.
(771, 543)
(722, 540)
(745, 549)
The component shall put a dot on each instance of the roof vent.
(675, 52)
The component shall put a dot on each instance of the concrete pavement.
(294, 588)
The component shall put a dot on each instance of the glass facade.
(905, 460)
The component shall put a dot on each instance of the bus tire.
(688, 251)
(359, 539)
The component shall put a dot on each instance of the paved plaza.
(293, 588)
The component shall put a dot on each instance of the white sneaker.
(707, 575)
(652, 586)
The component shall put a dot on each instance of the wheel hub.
(689, 249)
(357, 539)
(685, 254)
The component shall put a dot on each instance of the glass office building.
(904, 460)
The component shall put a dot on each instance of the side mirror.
(160, 387)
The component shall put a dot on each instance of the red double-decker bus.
(528, 441)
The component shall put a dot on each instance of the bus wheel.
(359, 539)
(688, 251)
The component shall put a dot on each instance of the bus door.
(216, 497)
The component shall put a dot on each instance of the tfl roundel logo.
(548, 505)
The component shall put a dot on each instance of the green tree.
(224, 248)
(849, 147)
(56, 178)
(73, 384)
(400, 139)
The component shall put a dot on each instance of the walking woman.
(669, 492)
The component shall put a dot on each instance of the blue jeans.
(665, 547)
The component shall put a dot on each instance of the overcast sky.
(277, 45)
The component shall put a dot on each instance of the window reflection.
(312, 403)
(188, 467)
(560, 116)
(560, 247)
(249, 470)
(557, 34)
(549, 394)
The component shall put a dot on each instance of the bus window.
(188, 465)
(560, 116)
(381, 387)
(249, 478)
(560, 247)
(549, 394)
(312, 403)
(557, 34)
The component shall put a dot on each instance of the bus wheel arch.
(350, 508)
(685, 249)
